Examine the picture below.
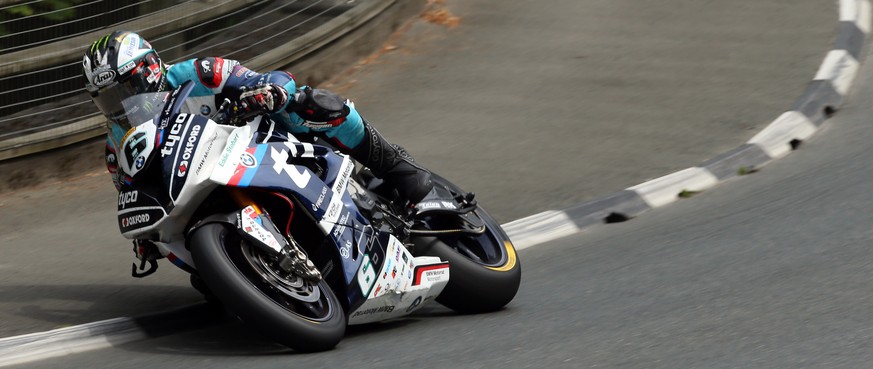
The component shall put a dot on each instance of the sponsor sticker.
(431, 273)
(251, 223)
(231, 143)
(125, 198)
(375, 310)
(174, 136)
(345, 250)
(190, 144)
(126, 67)
(135, 220)
(104, 78)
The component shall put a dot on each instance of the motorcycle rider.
(123, 64)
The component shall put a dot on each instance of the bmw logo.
(248, 160)
(205, 110)
(140, 161)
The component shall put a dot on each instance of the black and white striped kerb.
(819, 101)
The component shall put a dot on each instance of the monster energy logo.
(99, 58)
(103, 40)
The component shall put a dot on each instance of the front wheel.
(298, 314)
(484, 270)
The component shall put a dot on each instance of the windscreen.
(138, 109)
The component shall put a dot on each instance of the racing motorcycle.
(290, 236)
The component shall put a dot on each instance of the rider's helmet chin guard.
(117, 66)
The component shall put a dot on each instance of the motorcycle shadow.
(230, 337)
(39, 308)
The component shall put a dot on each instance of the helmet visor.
(144, 78)
(108, 98)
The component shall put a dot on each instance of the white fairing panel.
(202, 163)
(136, 147)
(403, 285)
(229, 158)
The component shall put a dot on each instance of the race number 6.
(366, 275)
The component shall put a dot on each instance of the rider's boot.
(392, 164)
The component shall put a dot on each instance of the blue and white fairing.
(379, 272)
(166, 181)
(195, 155)
(154, 156)
(281, 166)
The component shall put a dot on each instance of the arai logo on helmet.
(104, 78)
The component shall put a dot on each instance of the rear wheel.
(294, 312)
(484, 270)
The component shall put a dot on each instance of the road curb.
(112, 332)
(820, 100)
(105, 333)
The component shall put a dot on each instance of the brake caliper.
(256, 226)
(295, 261)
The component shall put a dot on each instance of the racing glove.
(262, 99)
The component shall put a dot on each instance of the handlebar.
(222, 114)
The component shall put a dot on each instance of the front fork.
(255, 226)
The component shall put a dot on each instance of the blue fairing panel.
(285, 167)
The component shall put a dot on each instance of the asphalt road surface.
(769, 271)
(539, 107)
